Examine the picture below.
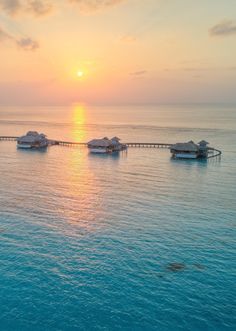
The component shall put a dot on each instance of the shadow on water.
(32, 150)
(176, 267)
(113, 156)
(190, 162)
(181, 266)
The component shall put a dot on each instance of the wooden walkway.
(213, 152)
(148, 145)
(8, 138)
(72, 143)
(137, 145)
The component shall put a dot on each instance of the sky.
(60, 52)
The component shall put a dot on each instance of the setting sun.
(80, 73)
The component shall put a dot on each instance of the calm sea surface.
(88, 242)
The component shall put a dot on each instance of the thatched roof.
(105, 142)
(31, 137)
(32, 133)
(27, 139)
(203, 142)
(185, 147)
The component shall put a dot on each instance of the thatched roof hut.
(106, 145)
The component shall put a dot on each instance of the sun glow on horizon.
(115, 52)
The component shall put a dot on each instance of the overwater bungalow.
(190, 150)
(106, 145)
(32, 140)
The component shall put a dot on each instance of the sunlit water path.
(130, 242)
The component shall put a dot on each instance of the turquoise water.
(88, 242)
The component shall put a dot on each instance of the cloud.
(11, 7)
(27, 44)
(4, 35)
(206, 69)
(33, 7)
(224, 28)
(128, 39)
(88, 6)
(139, 73)
(40, 8)
(197, 68)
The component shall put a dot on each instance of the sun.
(80, 73)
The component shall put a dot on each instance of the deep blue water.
(87, 242)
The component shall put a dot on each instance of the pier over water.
(213, 152)
(74, 143)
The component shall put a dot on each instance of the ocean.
(136, 241)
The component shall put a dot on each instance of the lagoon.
(131, 242)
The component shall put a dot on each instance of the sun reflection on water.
(79, 198)
(82, 201)
(79, 119)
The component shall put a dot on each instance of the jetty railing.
(66, 143)
(215, 152)
(149, 145)
(8, 138)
